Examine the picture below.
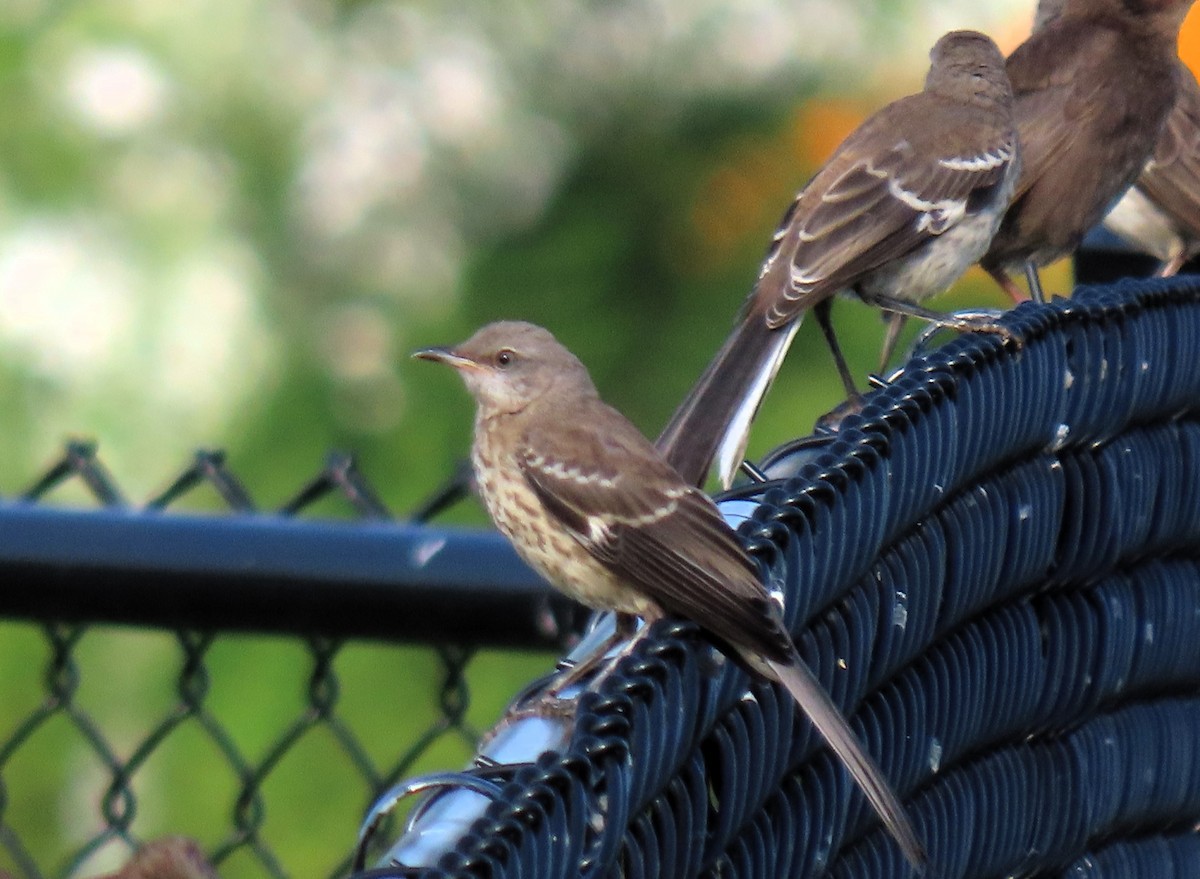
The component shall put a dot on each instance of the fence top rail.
(270, 573)
(991, 495)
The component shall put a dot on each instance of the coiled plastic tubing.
(994, 569)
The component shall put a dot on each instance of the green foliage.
(226, 225)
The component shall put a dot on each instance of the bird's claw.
(973, 321)
(547, 706)
(831, 421)
(993, 326)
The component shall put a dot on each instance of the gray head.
(509, 364)
(968, 66)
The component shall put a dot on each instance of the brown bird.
(171, 857)
(904, 206)
(1160, 213)
(592, 506)
(1092, 88)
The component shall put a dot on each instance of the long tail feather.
(713, 421)
(825, 716)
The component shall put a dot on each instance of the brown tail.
(828, 720)
(714, 419)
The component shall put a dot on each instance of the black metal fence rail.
(994, 568)
(267, 572)
(319, 586)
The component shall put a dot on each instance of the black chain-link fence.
(993, 566)
(228, 677)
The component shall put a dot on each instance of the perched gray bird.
(1160, 213)
(1092, 88)
(904, 206)
(592, 506)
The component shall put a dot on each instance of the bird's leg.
(921, 341)
(831, 421)
(821, 312)
(611, 662)
(1034, 280)
(1172, 266)
(550, 702)
(624, 629)
(964, 323)
(1007, 284)
(895, 323)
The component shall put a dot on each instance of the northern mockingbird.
(1092, 87)
(904, 206)
(592, 506)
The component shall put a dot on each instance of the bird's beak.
(447, 356)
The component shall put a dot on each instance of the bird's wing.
(885, 192)
(668, 539)
(1171, 178)
(638, 518)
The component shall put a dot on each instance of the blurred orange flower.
(1189, 41)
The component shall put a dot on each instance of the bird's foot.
(1171, 267)
(549, 704)
(981, 324)
(611, 638)
(558, 714)
(831, 421)
(979, 321)
(1008, 285)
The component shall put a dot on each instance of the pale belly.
(937, 265)
(1140, 222)
(546, 546)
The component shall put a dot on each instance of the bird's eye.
(504, 357)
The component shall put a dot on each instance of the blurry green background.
(226, 224)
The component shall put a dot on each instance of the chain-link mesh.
(995, 561)
(265, 747)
